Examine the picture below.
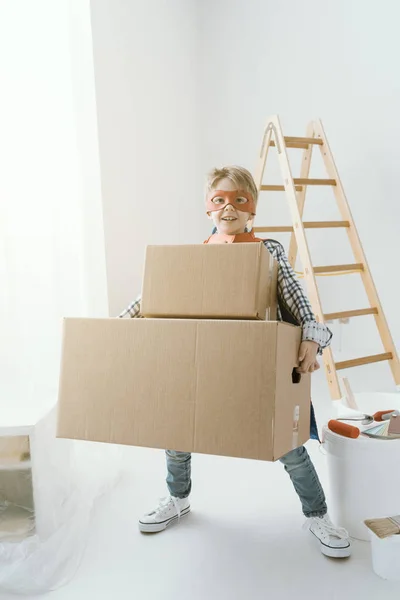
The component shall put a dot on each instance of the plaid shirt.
(291, 295)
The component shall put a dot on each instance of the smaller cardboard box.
(221, 281)
(206, 386)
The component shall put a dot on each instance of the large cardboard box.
(223, 281)
(206, 386)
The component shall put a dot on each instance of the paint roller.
(353, 432)
(384, 415)
(343, 429)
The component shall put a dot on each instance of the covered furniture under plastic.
(30, 458)
(47, 491)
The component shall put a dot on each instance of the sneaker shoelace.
(164, 502)
(327, 525)
(177, 507)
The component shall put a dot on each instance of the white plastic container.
(363, 473)
(386, 556)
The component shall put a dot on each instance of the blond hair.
(239, 176)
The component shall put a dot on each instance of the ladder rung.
(273, 229)
(350, 313)
(278, 188)
(365, 360)
(307, 181)
(339, 268)
(299, 182)
(299, 142)
(325, 224)
(306, 225)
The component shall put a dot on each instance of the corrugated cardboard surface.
(207, 386)
(226, 281)
(290, 395)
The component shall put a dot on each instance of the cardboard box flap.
(235, 388)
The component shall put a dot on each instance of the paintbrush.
(384, 527)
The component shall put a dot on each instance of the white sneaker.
(334, 541)
(169, 509)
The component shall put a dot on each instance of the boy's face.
(229, 220)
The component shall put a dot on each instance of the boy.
(231, 199)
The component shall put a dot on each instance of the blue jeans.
(297, 464)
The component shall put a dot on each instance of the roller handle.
(343, 429)
(383, 415)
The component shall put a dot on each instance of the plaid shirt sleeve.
(132, 311)
(292, 295)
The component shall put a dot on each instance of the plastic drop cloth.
(42, 552)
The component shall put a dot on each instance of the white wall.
(46, 242)
(336, 60)
(144, 56)
(181, 86)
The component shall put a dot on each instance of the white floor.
(243, 540)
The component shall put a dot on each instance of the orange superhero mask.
(239, 199)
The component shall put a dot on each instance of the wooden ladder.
(296, 189)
